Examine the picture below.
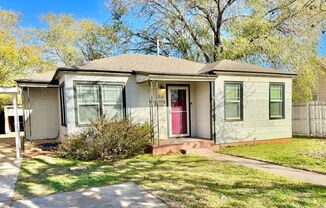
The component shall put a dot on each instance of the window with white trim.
(233, 101)
(276, 101)
(95, 100)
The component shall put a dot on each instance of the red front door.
(179, 112)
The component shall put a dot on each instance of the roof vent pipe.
(158, 45)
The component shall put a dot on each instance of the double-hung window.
(88, 102)
(99, 99)
(276, 101)
(112, 101)
(63, 104)
(233, 101)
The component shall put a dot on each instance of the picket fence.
(309, 119)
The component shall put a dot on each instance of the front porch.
(171, 146)
(180, 107)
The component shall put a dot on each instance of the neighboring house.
(9, 120)
(320, 93)
(226, 101)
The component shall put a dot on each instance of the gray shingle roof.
(45, 77)
(139, 63)
(142, 63)
(236, 66)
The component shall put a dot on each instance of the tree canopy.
(72, 41)
(19, 56)
(282, 34)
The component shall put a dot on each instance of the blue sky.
(32, 10)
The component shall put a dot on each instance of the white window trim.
(237, 118)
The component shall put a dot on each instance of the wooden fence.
(309, 119)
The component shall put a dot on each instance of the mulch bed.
(48, 149)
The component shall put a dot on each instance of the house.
(320, 93)
(9, 124)
(226, 101)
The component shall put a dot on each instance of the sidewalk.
(297, 174)
(121, 195)
(9, 169)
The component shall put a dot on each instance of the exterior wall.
(137, 100)
(41, 113)
(256, 124)
(203, 109)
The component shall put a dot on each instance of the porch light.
(162, 88)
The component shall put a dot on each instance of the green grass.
(300, 152)
(179, 180)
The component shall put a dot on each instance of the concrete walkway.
(9, 169)
(122, 195)
(301, 175)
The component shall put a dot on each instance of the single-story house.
(226, 101)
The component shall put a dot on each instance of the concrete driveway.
(9, 169)
(121, 195)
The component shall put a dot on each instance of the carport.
(14, 91)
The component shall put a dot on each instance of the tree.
(282, 34)
(307, 80)
(18, 55)
(72, 41)
(208, 30)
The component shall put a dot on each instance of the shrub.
(107, 139)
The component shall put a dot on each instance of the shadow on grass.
(181, 181)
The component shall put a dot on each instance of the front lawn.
(179, 180)
(304, 153)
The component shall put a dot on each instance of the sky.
(32, 10)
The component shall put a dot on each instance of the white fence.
(309, 119)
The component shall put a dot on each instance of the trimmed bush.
(107, 139)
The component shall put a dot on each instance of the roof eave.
(36, 83)
(250, 73)
(175, 74)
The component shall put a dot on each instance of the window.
(95, 100)
(315, 97)
(63, 105)
(276, 101)
(233, 101)
(112, 101)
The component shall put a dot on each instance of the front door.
(178, 106)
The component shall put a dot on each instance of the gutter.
(251, 73)
(65, 69)
(173, 74)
